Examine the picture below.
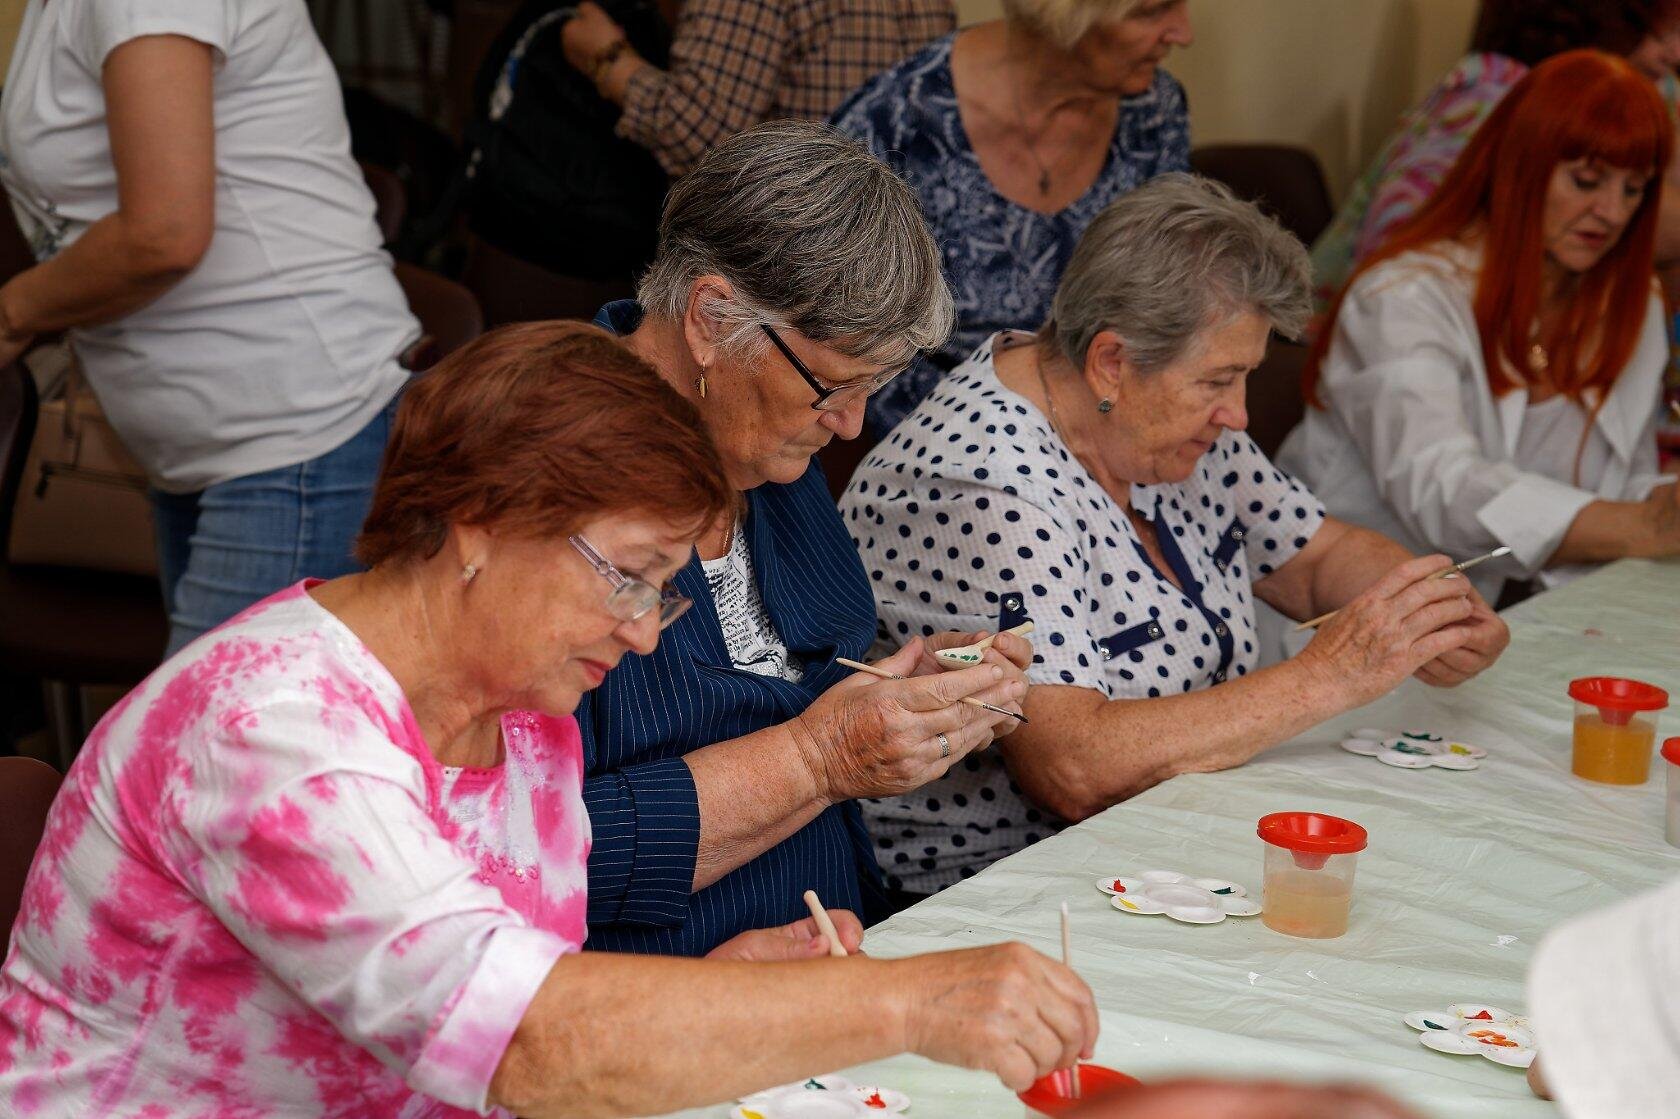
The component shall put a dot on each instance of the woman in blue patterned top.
(794, 277)
(1014, 135)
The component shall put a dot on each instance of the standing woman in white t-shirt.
(183, 172)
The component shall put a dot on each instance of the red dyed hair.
(1578, 105)
(535, 429)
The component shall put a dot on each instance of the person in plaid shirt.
(735, 63)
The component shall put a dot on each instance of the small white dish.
(1193, 901)
(1465, 1029)
(967, 656)
(1414, 749)
(810, 1105)
(837, 1085)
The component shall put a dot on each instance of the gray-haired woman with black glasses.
(794, 277)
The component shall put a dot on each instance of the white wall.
(1331, 75)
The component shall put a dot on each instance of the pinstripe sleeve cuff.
(646, 826)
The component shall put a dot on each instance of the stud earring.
(469, 573)
(1105, 405)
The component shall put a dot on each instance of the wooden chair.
(448, 313)
(514, 290)
(1275, 404)
(1288, 182)
(68, 626)
(390, 199)
(27, 789)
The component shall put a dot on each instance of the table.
(1464, 874)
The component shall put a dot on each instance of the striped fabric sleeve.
(646, 825)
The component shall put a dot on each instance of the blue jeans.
(223, 548)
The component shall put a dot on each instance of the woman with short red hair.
(1491, 376)
(330, 858)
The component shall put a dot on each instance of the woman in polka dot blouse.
(1097, 479)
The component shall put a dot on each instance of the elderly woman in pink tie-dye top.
(329, 860)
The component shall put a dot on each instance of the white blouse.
(1415, 446)
(973, 510)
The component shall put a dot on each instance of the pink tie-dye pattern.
(253, 896)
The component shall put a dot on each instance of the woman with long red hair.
(1491, 375)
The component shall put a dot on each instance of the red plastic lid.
(1053, 1094)
(1671, 750)
(1617, 694)
(1313, 832)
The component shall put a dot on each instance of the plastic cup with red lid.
(1615, 728)
(1310, 860)
(1671, 755)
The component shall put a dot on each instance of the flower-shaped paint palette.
(1470, 1028)
(1413, 749)
(1194, 901)
(821, 1097)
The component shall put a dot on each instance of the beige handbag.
(82, 501)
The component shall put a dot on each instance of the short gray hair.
(1170, 259)
(813, 233)
(1065, 22)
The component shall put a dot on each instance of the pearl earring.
(469, 573)
(1105, 405)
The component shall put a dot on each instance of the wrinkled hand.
(867, 737)
(1010, 652)
(1663, 511)
(1402, 622)
(801, 940)
(1005, 1009)
(1208, 1099)
(587, 34)
(1485, 637)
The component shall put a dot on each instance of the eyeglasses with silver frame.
(631, 598)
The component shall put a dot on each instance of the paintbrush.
(970, 700)
(1067, 962)
(1442, 574)
(825, 924)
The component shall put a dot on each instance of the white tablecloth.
(1464, 874)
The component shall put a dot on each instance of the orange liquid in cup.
(1611, 754)
(1307, 904)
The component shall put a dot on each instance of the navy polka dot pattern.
(973, 498)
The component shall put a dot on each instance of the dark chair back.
(448, 313)
(1275, 404)
(27, 788)
(840, 460)
(514, 290)
(19, 407)
(15, 254)
(390, 199)
(1287, 182)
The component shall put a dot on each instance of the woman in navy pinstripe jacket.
(794, 278)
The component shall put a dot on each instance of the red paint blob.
(875, 1101)
(1483, 1016)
